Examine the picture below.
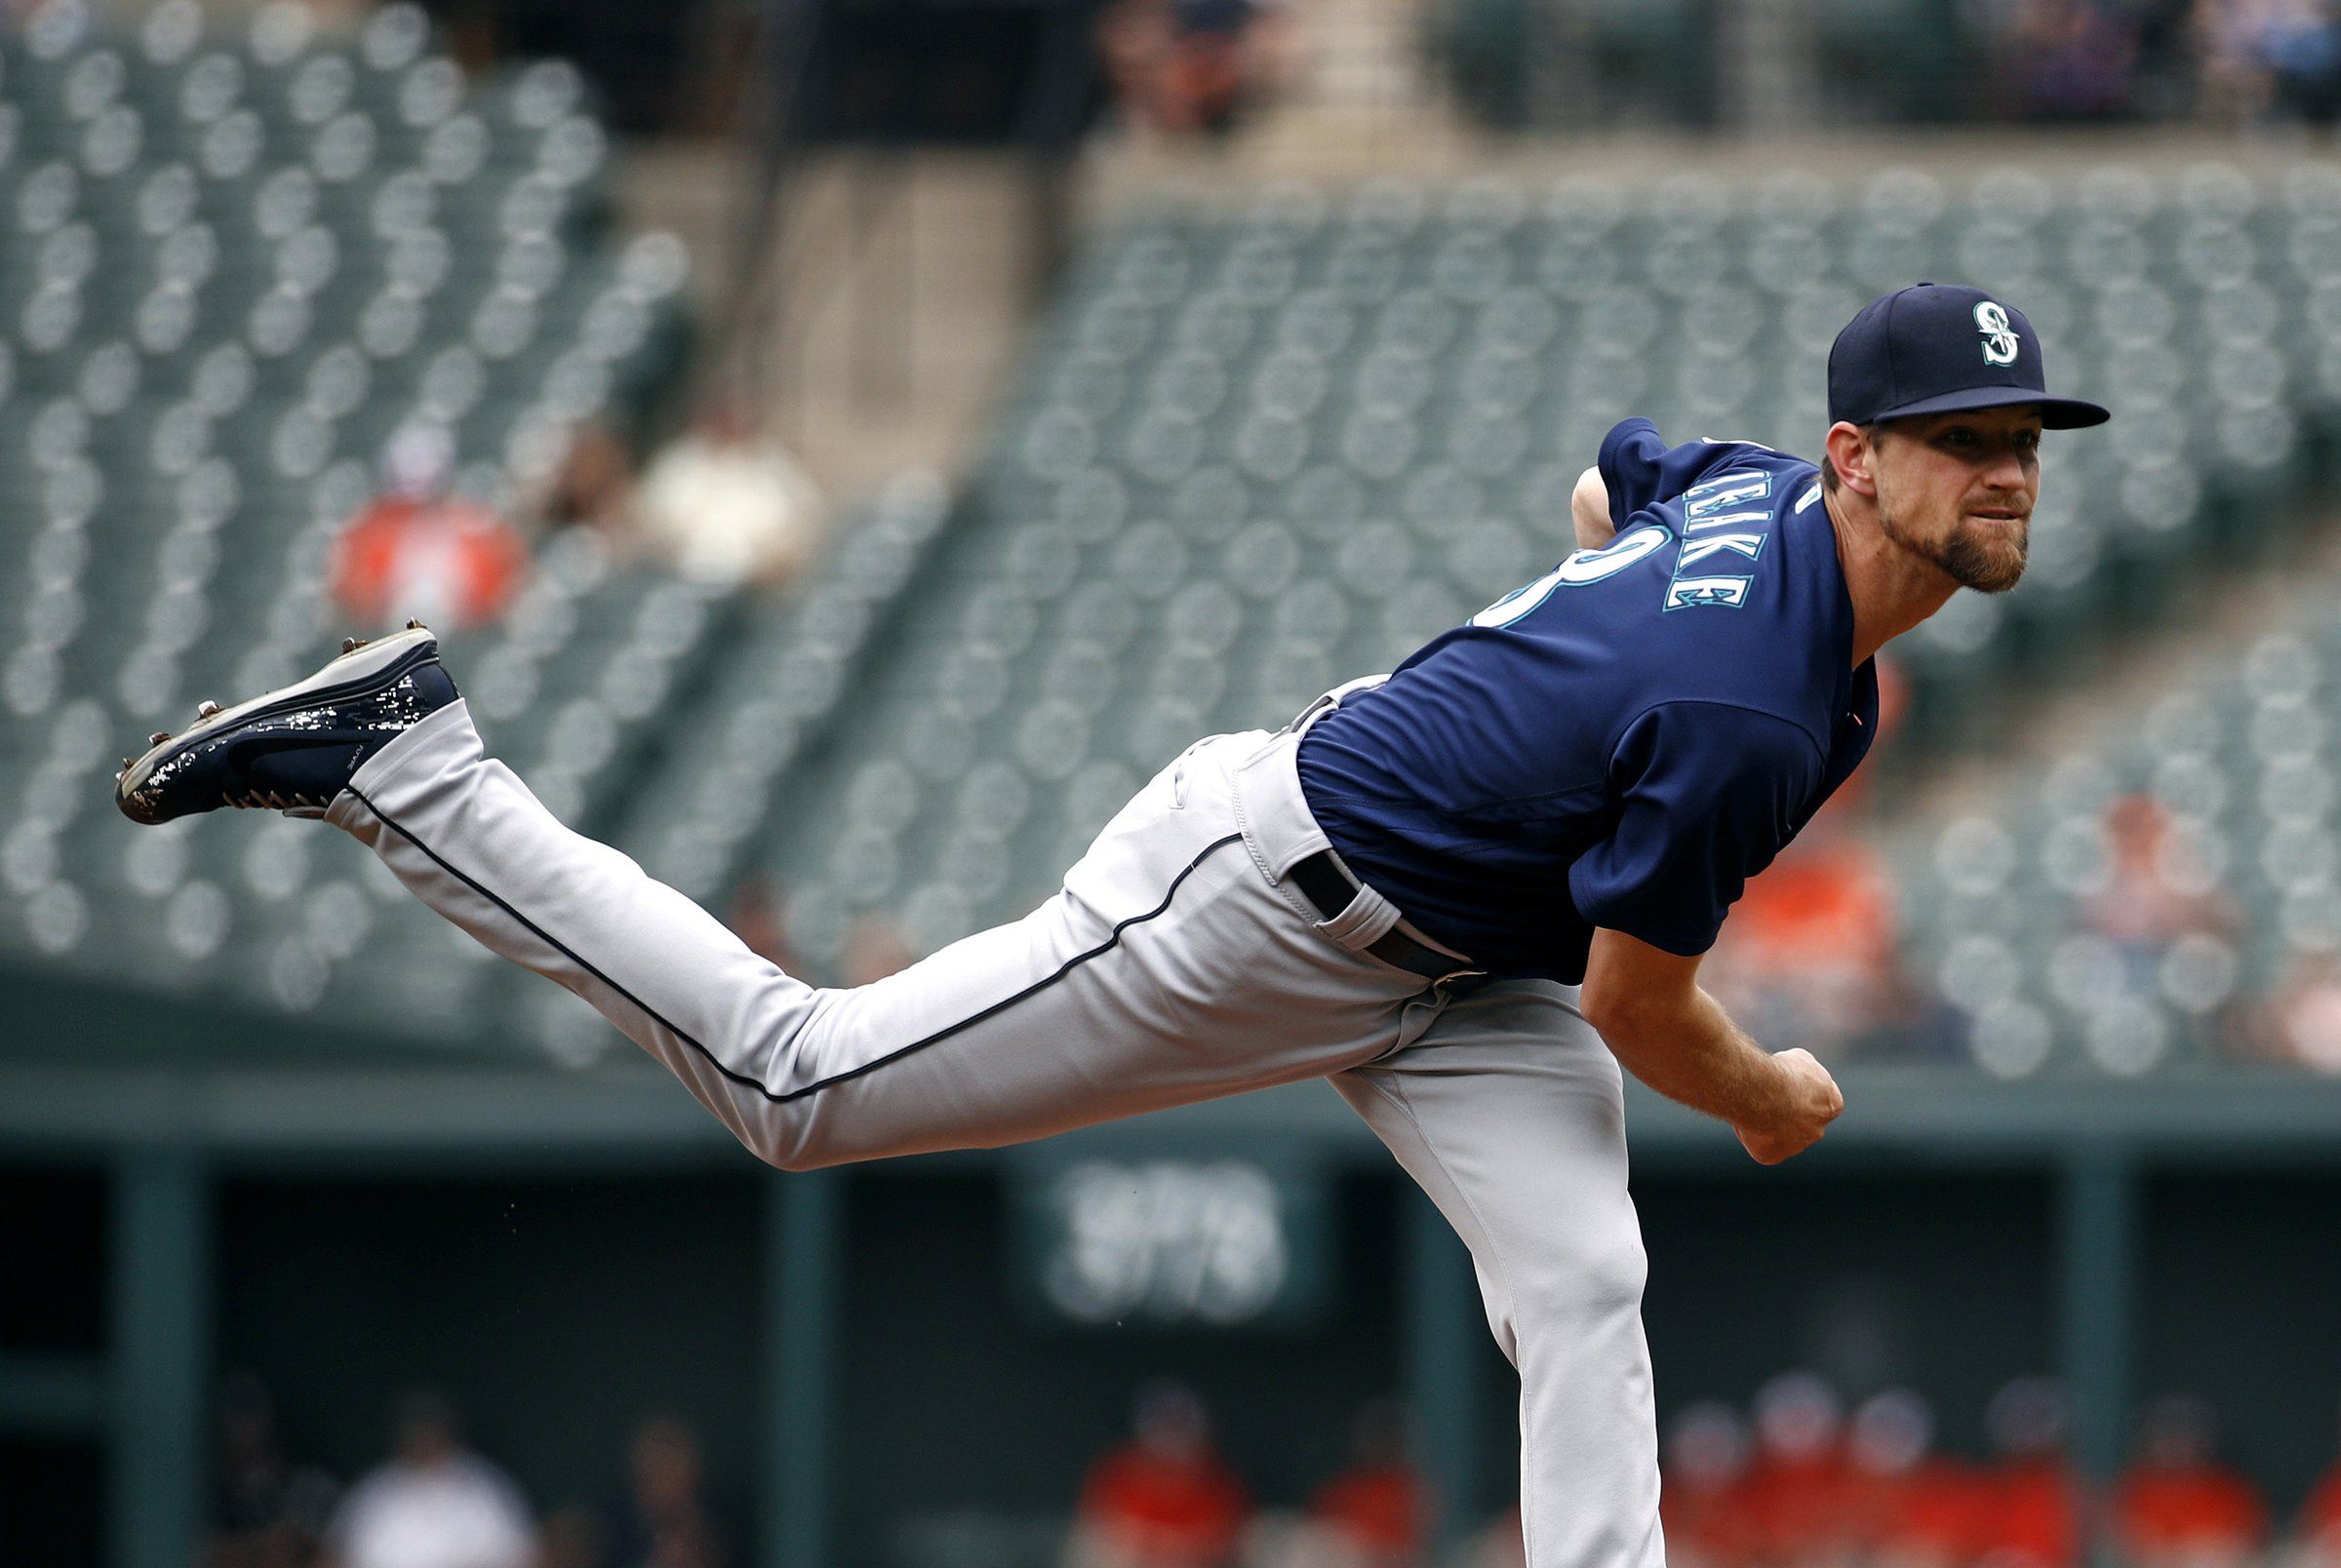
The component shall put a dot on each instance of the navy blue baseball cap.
(1938, 348)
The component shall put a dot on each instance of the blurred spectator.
(1371, 1515)
(264, 1513)
(2033, 1514)
(2258, 58)
(2072, 60)
(2302, 46)
(2155, 892)
(1163, 1499)
(2176, 1506)
(434, 1504)
(1799, 1492)
(593, 487)
(1188, 66)
(1703, 1497)
(1809, 953)
(726, 504)
(418, 550)
(1917, 1509)
(2233, 84)
(2305, 1016)
(875, 949)
(667, 1520)
(760, 920)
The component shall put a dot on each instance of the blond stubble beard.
(1965, 559)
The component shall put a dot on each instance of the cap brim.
(2057, 413)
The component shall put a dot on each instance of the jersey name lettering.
(1725, 489)
(1727, 520)
(1720, 502)
(1696, 551)
(1687, 592)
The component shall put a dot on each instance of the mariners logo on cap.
(2000, 340)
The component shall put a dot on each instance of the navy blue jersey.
(1626, 740)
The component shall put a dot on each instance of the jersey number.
(1586, 567)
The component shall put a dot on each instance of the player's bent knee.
(799, 1147)
(800, 1155)
(796, 1162)
(1619, 1277)
(1595, 1273)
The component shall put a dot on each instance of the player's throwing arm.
(1674, 1037)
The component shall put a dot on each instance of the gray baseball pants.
(1173, 966)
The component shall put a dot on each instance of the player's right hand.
(1807, 1103)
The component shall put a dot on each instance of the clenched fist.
(1807, 1102)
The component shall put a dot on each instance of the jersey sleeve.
(1710, 794)
(1639, 469)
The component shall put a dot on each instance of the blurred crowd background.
(847, 447)
(1795, 1479)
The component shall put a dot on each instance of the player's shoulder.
(1714, 457)
(1640, 435)
(1642, 474)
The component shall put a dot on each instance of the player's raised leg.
(1169, 969)
(1510, 1112)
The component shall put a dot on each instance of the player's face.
(1958, 490)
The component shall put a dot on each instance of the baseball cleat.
(296, 747)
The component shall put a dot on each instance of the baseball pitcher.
(1465, 892)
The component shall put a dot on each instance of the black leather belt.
(1324, 883)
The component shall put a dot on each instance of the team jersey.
(1623, 742)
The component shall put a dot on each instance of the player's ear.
(1852, 456)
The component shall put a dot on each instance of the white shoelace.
(254, 799)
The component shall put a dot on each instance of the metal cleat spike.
(350, 645)
(128, 763)
(205, 709)
(158, 738)
(414, 625)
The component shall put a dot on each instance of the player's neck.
(1891, 589)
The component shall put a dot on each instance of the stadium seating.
(1254, 453)
(2008, 911)
(232, 267)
